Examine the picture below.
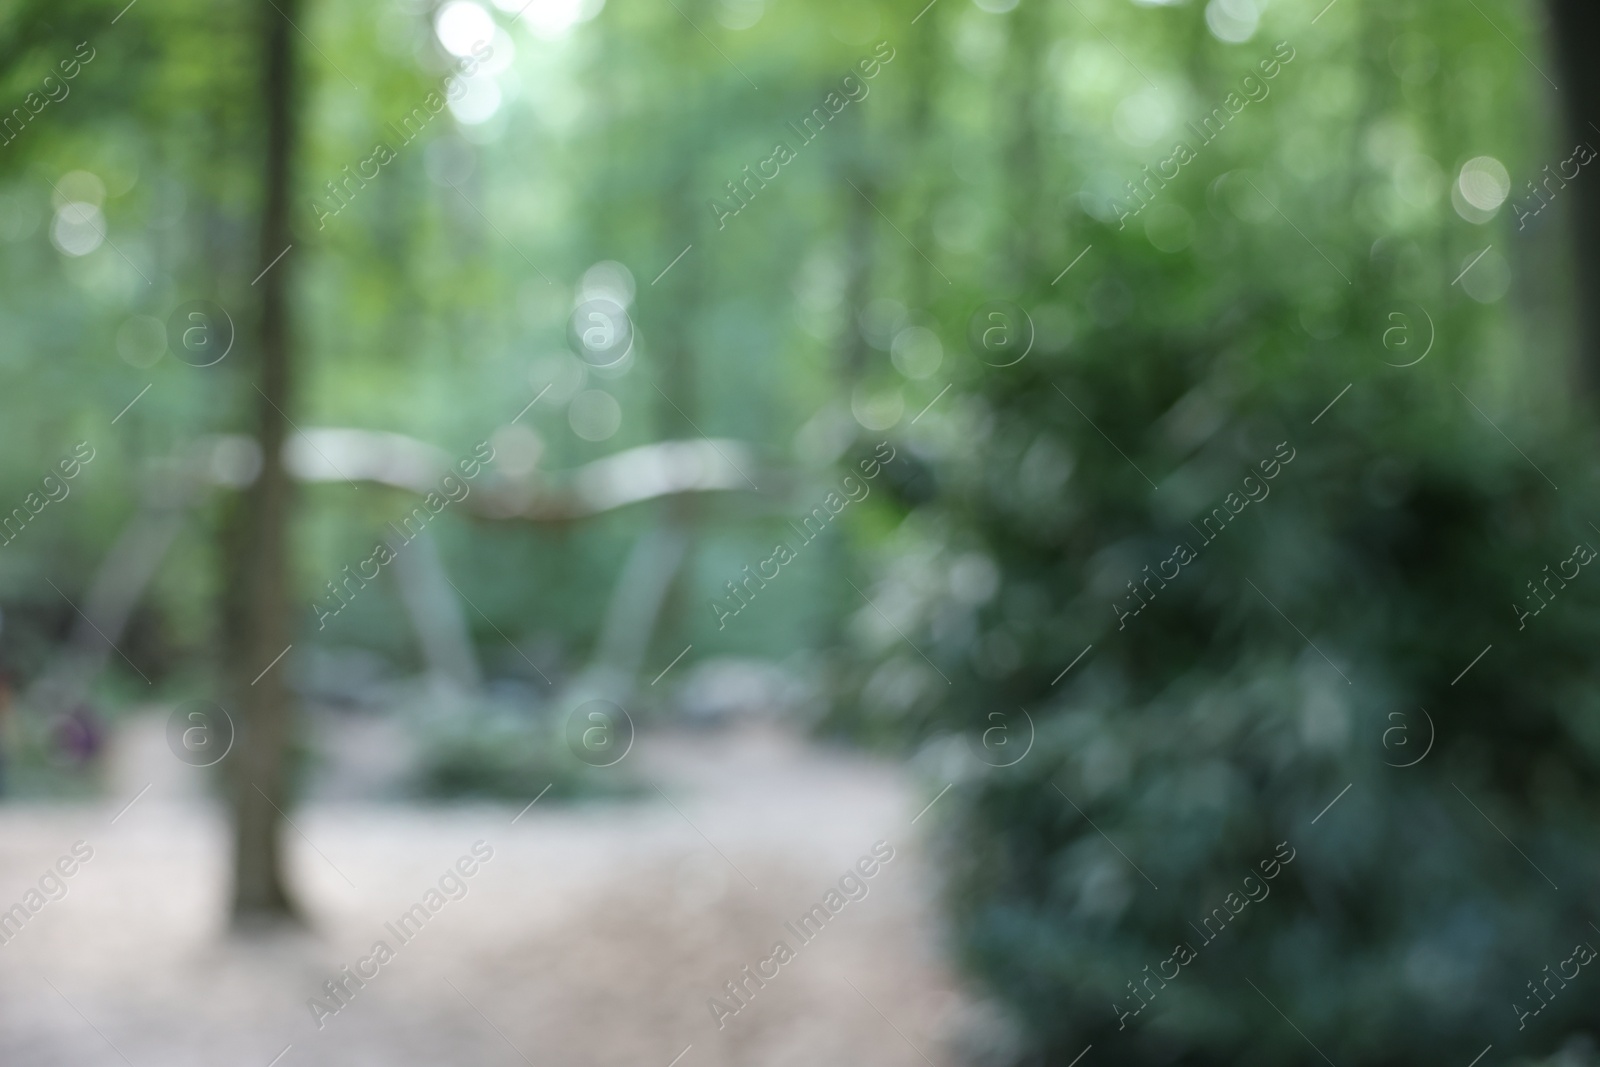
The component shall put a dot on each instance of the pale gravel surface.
(593, 937)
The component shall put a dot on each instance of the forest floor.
(593, 936)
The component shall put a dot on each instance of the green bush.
(1290, 657)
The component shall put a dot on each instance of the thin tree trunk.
(1026, 51)
(258, 567)
(851, 344)
(1574, 31)
(925, 62)
(676, 355)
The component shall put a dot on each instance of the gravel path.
(591, 936)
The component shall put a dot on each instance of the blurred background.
(613, 480)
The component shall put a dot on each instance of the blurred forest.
(581, 307)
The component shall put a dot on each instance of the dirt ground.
(594, 935)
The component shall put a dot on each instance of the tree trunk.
(1029, 76)
(859, 220)
(1574, 30)
(925, 61)
(258, 545)
(678, 305)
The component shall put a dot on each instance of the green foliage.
(504, 759)
(1293, 654)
